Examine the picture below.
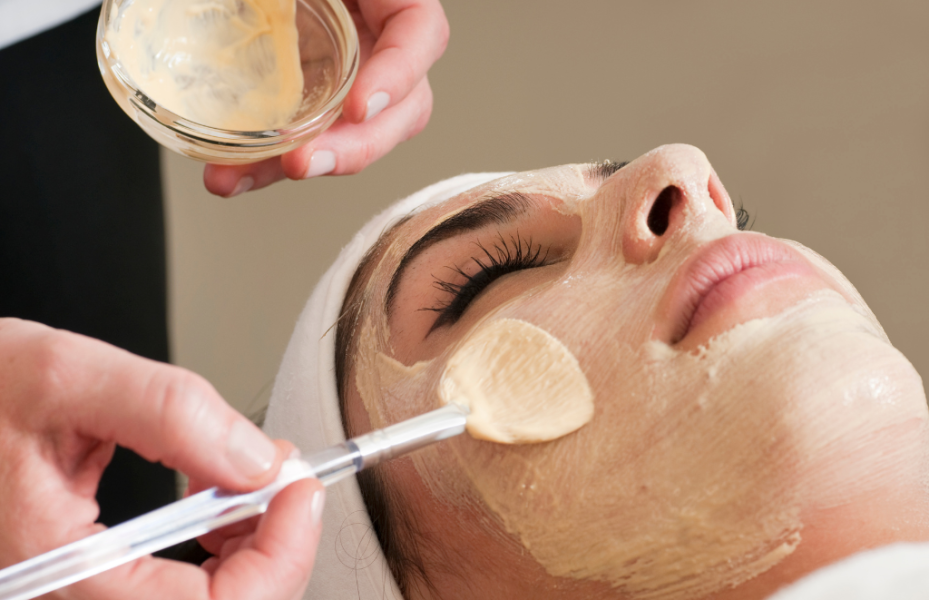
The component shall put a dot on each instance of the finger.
(214, 541)
(231, 180)
(279, 558)
(163, 412)
(195, 485)
(210, 565)
(347, 148)
(233, 545)
(274, 564)
(411, 36)
(146, 578)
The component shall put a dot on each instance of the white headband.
(304, 409)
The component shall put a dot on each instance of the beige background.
(815, 115)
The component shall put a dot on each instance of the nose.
(669, 189)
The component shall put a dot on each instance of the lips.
(732, 280)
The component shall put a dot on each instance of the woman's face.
(740, 383)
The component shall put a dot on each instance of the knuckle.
(419, 125)
(407, 67)
(52, 358)
(410, 73)
(438, 22)
(181, 403)
(423, 113)
(442, 35)
(364, 154)
(369, 153)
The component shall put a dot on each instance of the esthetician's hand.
(65, 400)
(389, 103)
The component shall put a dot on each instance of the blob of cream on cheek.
(231, 64)
(520, 382)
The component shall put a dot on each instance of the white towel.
(304, 409)
(895, 572)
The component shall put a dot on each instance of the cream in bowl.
(228, 81)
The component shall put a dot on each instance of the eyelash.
(506, 259)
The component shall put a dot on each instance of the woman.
(751, 421)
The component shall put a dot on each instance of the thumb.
(163, 412)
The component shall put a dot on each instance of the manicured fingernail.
(321, 162)
(316, 507)
(376, 103)
(249, 450)
(242, 186)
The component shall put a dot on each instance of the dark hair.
(395, 528)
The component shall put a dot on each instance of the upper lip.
(708, 267)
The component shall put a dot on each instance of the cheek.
(702, 459)
(521, 384)
(391, 391)
(647, 486)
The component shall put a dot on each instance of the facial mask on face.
(702, 465)
(521, 384)
(231, 64)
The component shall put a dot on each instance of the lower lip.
(744, 287)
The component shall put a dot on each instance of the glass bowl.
(326, 82)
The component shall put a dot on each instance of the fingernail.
(242, 186)
(316, 507)
(376, 103)
(321, 162)
(249, 450)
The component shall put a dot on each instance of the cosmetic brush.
(215, 508)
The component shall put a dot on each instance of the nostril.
(660, 214)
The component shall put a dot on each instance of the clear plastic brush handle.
(214, 508)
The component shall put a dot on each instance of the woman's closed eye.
(504, 258)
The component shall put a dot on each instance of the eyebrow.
(500, 210)
(599, 172)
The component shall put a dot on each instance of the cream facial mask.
(521, 384)
(229, 64)
(707, 462)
